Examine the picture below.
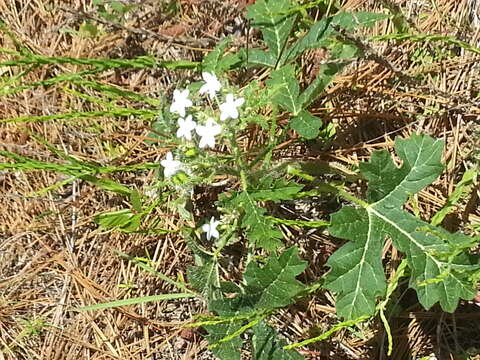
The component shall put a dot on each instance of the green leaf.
(205, 278)
(310, 40)
(267, 345)
(352, 21)
(306, 125)
(270, 190)
(325, 75)
(138, 300)
(217, 61)
(264, 288)
(123, 219)
(437, 267)
(136, 201)
(260, 229)
(285, 88)
(228, 350)
(356, 268)
(107, 184)
(274, 285)
(271, 18)
(463, 188)
(319, 32)
(258, 57)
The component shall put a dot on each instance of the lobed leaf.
(275, 23)
(274, 285)
(318, 34)
(265, 287)
(306, 125)
(267, 345)
(437, 267)
(285, 88)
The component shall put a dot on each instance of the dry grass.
(53, 258)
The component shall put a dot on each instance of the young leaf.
(269, 16)
(437, 269)
(351, 21)
(123, 220)
(285, 88)
(306, 125)
(267, 345)
(204, 276)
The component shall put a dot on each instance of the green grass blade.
(138, 300)
(9, 90)
(144, 113)
(140, 62)
(151, 270)
(450, 40)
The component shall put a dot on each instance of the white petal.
(239, 102)
(214, 233)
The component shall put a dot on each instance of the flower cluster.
(187, 127)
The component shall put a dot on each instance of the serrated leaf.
(323, 29)
(357, 275)
(463, 188)
(258, 57)
(268, 346)
(228, 350)
(421, 157)
(269, 16)
(205, 278)
(265, 287)
(204, 275)
(285, 88)
(211, 62)
(260, 229)
(122, 219)
(325, 75)
(306, 125)
(269, 190)
(274, 284)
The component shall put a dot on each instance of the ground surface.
(53, 257)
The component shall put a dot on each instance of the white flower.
(211, 86)
(229, 107)
(211, 228)
(207, 133)
(185, 127)
(171, 167)
(180, 102)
